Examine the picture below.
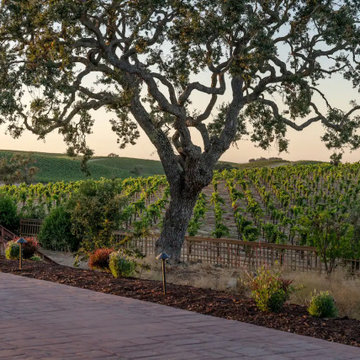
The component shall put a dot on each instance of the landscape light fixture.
(21, 241)
(163, 257)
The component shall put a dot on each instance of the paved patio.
(43, 320)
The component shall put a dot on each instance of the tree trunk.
(175, 223)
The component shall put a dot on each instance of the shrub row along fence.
(226, 252)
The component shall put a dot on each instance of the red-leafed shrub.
(30, 247)
(99, 260)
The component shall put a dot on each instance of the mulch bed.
(293, 318)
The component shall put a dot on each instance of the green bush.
(269, 290)
(36, 258)
(322, 305)
(8, 213)
(121, 265)
(55, 232)
(96, 210)
(12, 250)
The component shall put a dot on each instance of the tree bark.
(176, 221)
(190, 171)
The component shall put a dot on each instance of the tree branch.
(202, 88)
(157, 137)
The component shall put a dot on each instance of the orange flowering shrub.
(99, 259)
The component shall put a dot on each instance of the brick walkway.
(43, 320)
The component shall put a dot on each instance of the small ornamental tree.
(332, 235)
(17, 168)
(147, 61)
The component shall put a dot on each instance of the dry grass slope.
(344, 288)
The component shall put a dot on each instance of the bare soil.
(293, 318)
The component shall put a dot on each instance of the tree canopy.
(259, 63)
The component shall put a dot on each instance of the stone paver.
(43, 320)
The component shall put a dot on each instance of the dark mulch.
(293, 318)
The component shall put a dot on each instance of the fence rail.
(30, 227)
(237, 253)
(5, 236)
(226, 252)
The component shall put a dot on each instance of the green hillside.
(58, 167)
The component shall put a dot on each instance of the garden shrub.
(96, 210)
(28, 249)
(8, 213)
(55, 232)
(121, 265)
(269, 290)
(12, 250)
(322, 305)
(36, 258)
(99, 260)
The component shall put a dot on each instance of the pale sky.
(305, 145)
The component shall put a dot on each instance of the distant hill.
(57, 167)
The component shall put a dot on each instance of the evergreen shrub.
(322, 305)
(55, 232)
(121, 265)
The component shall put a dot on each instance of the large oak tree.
(259, 63)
